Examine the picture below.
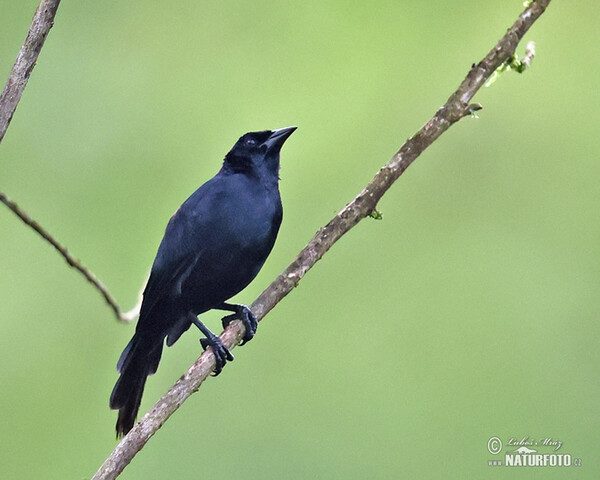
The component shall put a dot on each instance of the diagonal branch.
(457, 107)
(42, 22)
(62, 250)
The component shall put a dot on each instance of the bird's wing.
(176, 257)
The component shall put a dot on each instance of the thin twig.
(452, 111)
(62, 250)
(131, 315)
(42, 22)
(125, 317)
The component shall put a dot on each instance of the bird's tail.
(139, 359)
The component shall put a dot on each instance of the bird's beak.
(278, 137)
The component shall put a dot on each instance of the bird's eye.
(250, 141)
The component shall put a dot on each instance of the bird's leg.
(243, 313)
(220, 351)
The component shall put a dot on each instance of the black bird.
(213, 247)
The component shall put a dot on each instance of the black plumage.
(214, 245)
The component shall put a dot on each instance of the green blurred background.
(470, 311)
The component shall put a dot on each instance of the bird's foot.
(220, 351)
(244, 314)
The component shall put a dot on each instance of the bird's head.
(257, 152)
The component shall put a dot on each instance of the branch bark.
(70, 259)
(456, 107)
(42, 22)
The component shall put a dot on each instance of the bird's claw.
(248, 319)
(220, 351)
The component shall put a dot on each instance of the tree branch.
(70, 259)
(42, 22)
(363, 205)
